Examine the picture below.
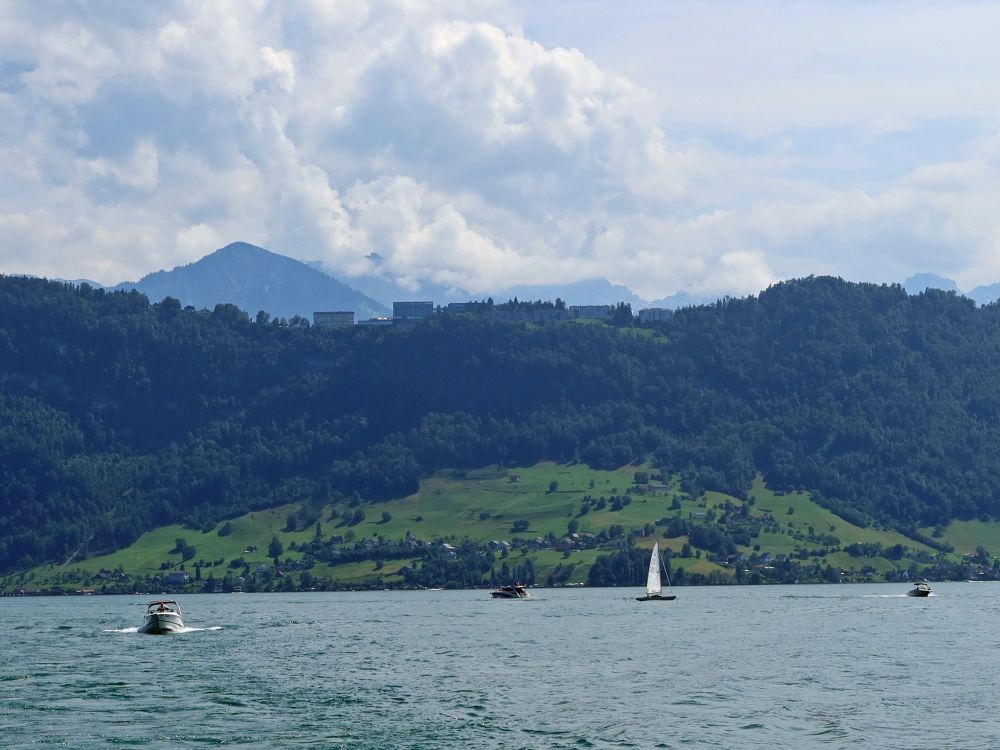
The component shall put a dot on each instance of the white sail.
(653, 577)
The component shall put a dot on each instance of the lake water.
(721, 667)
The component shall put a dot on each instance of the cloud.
(889, 125)
(430, 237)
(465, 151)
(140, 171)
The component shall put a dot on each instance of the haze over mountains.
(253, 279)
(982, 295)
(587, 292)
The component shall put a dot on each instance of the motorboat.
(921, 589)
(162, 616)
(517, 591)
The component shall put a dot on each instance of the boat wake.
(183, 630)
(887, 596)
(212, 629)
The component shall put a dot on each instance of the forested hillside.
(117, 416)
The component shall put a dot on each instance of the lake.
(721, 667)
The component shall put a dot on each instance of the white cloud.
(141, 170)
(472, 153)
(71, 64)
(279, 69)
(425, 235)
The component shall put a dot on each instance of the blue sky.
(711, 148)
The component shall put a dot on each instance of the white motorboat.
(921, 589)
(162, 616)
(517, 591)
(654, 587)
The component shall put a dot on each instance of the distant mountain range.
(981, 295)
(587, 292)
(920, 282)
(254, 279)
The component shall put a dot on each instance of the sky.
(669, 146)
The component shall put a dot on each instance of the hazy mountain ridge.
(920, 282)
(253, 279)
(984, 295)
(981, 295)
(586, 292)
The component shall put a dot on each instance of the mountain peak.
(239, 247)
(919, 282)
(254, 278)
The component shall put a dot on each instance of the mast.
(666, 574)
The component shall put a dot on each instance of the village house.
(177, 577)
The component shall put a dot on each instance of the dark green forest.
(117, 415)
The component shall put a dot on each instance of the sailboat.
(654, 589)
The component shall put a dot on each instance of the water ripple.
(724, 667)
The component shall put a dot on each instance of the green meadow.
(796, 512)
(965, 536)
(483, 505)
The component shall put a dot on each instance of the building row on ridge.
(412, 311)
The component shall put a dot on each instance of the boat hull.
(511, 592)
(162, 623)
(918, 593)
(656, 598)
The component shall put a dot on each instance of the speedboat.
(921, 589)
(162, 616)
(517, 591)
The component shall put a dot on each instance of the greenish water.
(721, 667)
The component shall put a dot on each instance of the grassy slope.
(154, 547)
(449, 506)
(965, 536)
(806, 513)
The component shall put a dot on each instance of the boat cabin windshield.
(163, 606)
